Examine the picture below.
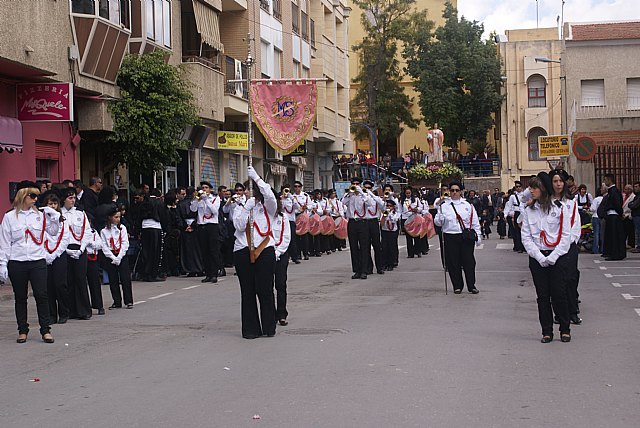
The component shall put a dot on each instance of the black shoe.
(355, 276)
(424, 253)
(251, 336)
(206, 279)
(363, 276)
(474, 291)
(129, 305)
(419, 255)
(612, 259)
(457, 291)
(409, 257)
(575, 319)
(63, 320)
(565, 337)
(101, 311)
(369, 272)
(339, 249)
(114, 306)
(297, 261)
(283, 322)
(380, 272)
(192, 275)
(390, 269)
(213, 280)
(547, 338)
(306, 257)
(222, 272)
(85, 318)
(556, 320)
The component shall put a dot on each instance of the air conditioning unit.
(273, 154)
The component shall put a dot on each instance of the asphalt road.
(392, 351)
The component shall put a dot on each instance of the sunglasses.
(297, 185)
(455, 190)
(33, 195)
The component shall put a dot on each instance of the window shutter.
(633, 94)
(592, 93)
(47, 150)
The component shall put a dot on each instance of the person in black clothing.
(106, 202)
(475, 201)
(132, 220)
(502, 224)
(191, 258)
(226, 230)
(171, 249)
(151, 213)
(611, 208)
(90, 197)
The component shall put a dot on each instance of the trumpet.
(446, 195)
(286, 191)
(387, 193)
(385, 213)
(200, 194)
(353, 188)
(233, 199)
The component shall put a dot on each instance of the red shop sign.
(45, 102)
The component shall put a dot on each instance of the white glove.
(550, 262)
(544, 262)
(252, 173)
(49, 258)
(250, 204)
(51, 213)
(74, 254)
(478, 242)
(277, 256)
(116, 262)
(4, 273)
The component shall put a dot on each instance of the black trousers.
(358, 233)
(412, 243)
(151, 252)
(57, 289)
(79, 306)
(374, 237)
(256, 280)
(629, 232)
(569, 266)
(614, 238)
(517, 233)
(459, 256)
(293, 245)
(95, 283)
(119, 276)
(551, 290)
(21, 274)
(208, 236)
(302, 245)
(281, 286)
(424, 244)
(389, 248)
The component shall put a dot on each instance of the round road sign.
(584, 148)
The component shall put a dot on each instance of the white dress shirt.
(290, 206)
(303, 201)
(390, 223)
(56, 244)
(594, 206)
(407, 206)
(207, 208)
(263, 219)
(447, 219)
(336, 207)
(95, 244)
(77, 223)
(355, 204)
(16, 241)
(375, 204)
(516, 203)
(281, 235)
(115, 242)
(535, 220)
(574, 216)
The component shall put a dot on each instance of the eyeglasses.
(297, 185)
(33, 195)
(455, 190)
(518, 185)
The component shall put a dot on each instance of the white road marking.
(480, 247)
(192, 287)
(400, 247)
(603, 268)
(637, 311)
(139, 301)
(626, 296)
(504, 246)
(608, 275)
(478, 271)
(616, 284)
(597, 261)
(160, 295)
(619, 267)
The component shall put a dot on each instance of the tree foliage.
(380, 100)
(457, 75)
(156, 105)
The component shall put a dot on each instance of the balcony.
(208, 87)
(236, 95)
(234, 5)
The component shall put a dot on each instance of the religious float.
(434, 174)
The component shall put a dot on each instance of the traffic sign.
(584, 148)
(553, 145)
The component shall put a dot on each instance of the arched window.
(532, 138)
(537, 88)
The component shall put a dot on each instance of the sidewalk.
(6, 292)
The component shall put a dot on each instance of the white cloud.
(501, 15)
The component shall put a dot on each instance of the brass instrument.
(385, 213)
(387, 193)
(286, 191)
(446, 195)
(233, 199)
(353, 188)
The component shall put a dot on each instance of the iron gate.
(623, 160)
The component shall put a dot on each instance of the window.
(277, 64)
(534, 133)
(592, 93)
(296, 69)
(264, 58)
(312, 27)
(264, 5)
(633, 93)
(43, 169)
(158, 21)
(87, 7)
(295, 18)
(304, 25)
(537, 89)
(305, 72)
(277, 9)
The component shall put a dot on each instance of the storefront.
(36, 137)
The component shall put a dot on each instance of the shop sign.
(553, 145)
(277, 169)
(299, 160)
(301, 150)
(232, 140)
(45, 102)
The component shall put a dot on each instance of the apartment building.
(602, 100)
(532, 105)
(409, 138)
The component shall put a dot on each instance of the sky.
(501, 15)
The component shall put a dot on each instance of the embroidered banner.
(284, 112)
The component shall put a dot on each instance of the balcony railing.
(213, 62)
(277, 9)
(264, 5)
(230, 74)
(629, 109)
(304, 24)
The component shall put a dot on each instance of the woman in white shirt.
(546, 236)
(454, 216)
(115, 243)
(410, 205)
(22, 257)
(256, 266)
(282, 237)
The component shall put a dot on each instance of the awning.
(208, 24)
(10, 134)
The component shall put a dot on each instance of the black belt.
(356, 219)
(546, 252)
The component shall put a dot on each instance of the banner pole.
(249, 64)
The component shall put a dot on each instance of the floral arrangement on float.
(434, 173)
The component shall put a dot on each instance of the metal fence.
(622, 160)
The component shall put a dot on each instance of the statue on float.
(435, 138)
